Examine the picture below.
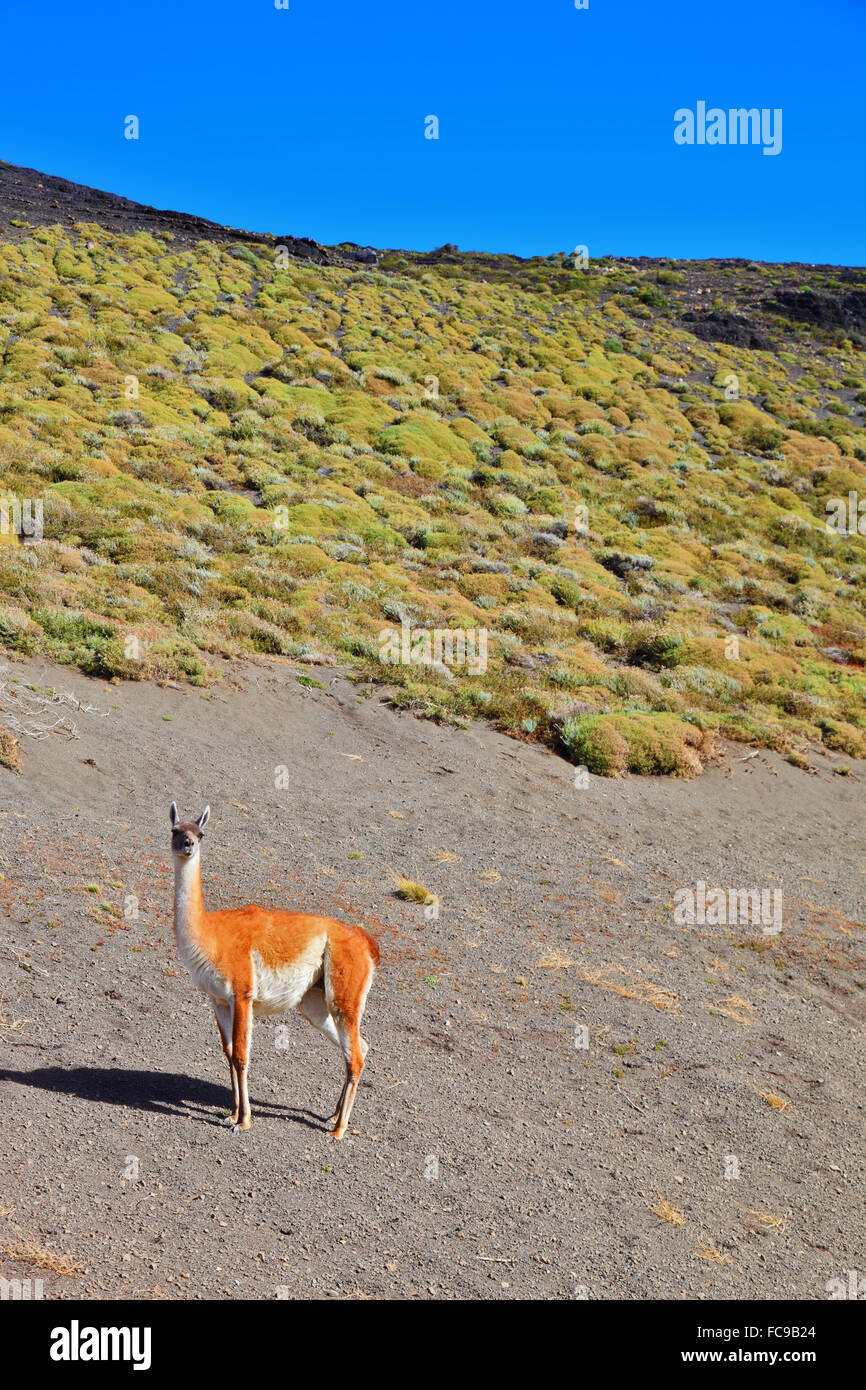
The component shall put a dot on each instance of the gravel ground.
(568, 1093)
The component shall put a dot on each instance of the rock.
(481, 566)
(837, 654)
(545, 542)
(621, 564)
(365, 254)
(717, 327)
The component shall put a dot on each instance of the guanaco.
(249, 960)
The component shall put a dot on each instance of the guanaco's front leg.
(242, 1028)
(224, 1023)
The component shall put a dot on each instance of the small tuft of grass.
(798, 760)
(412, 892)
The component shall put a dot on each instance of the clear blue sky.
(556, 125)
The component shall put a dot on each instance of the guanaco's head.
(186, 835)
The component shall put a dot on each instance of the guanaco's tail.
(372, 944)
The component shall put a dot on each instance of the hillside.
(619, 474)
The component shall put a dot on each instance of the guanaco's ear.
(173, 814)
(203, 818)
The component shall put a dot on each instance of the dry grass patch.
(740, 1010)
(630, 987)
(10, 751)
(28, 1251)
(554, 960)
(706, 1250)
(776, 1102)
(666, 1211)
(766, 1218)
(9, 1024)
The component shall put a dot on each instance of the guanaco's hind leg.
(347, 982)
(314, 1008)
(242, 1029)
(354, 1050)
(224, 1023)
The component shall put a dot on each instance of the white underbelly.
(205, 974)
(277, 988)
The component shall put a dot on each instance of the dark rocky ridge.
(46, 200)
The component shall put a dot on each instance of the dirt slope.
(490, 1156)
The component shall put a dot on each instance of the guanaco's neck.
(188, 902)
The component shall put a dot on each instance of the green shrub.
(650, 744)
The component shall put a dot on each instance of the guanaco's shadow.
(166, 1093)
